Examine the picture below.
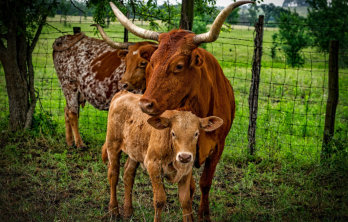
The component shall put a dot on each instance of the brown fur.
(136, 62)
(184, 77)
(166, 146)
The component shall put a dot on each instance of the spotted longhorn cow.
(89, 70)
(182, 76)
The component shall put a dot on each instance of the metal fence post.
(255, 81)
(332, 99)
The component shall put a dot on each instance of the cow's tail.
(104, 154)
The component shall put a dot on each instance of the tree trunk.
(186, 20)
(14, 63)
(17, 91)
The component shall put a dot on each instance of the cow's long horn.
(214, 31)
(116, 45)
(140, 32)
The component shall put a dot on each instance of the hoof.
(81, 146)
(114, 212)
(127, 212)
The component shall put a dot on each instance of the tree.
(294, 37)
(186, 19)
(149, 11)
(272, 12)
(328, 20)
(233, 17)
(252, 10)
(21, 23)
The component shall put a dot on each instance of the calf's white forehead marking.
(135, 52)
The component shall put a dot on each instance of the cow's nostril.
(124, 86)
(185, 158)
(149, 105)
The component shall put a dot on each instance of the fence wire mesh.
(292, 101)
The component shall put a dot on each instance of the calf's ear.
(159, 122)
(211, 123)
(122, 53)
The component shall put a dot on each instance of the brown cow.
(89, 69)
(136, 62)
(182, 76)
(165, 145)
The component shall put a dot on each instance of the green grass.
(43, 180)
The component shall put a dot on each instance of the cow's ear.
(196, 58)
(159, 122)
(147, 51)
(122, 53)
(211, 123)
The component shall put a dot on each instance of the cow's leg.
(68, 130)
(206, 180)
(185, 197)
(159, 195)
(128, 179)
(114, 154)
(74, 124)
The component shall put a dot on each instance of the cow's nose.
(147, 106)
(184, 157)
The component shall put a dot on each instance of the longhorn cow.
(182, 76)
(89, 69)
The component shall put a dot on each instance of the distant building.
(295, 3)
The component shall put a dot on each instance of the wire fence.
(292, 101)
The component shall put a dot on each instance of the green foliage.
(150, 11)
(294, 37)
(28, 13)
(328, 20)
(253, 10)
(272, 12)
(43, 123)
(232, 18)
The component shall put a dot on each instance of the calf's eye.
(196, 134)
(173, 134)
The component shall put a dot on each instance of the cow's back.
(88, 65)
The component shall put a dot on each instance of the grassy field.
(43, 180)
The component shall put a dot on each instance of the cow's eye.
(173, 134)
(143, 64)
(196, 134)
(179, 67)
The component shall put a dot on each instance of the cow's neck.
(197, 103)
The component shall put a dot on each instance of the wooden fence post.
(76, 30)
(332, 99)
(255, 81)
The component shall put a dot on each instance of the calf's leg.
(128, 179)
(185, 197)
(159, 195)
(114, 153)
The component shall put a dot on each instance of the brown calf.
(89, 69)
(166, 146)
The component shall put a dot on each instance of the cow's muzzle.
(149, 107)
